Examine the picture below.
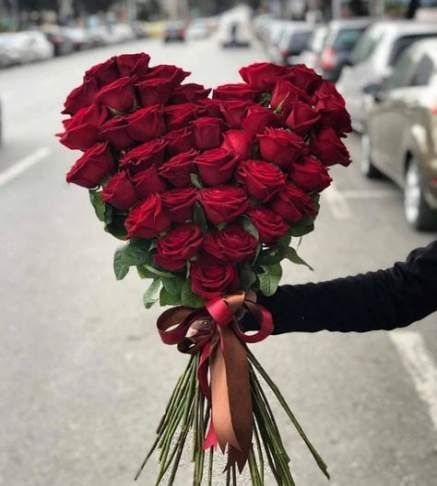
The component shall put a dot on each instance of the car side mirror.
(375, 90)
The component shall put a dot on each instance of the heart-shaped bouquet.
(208, 194)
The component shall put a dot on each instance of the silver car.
(373, 58)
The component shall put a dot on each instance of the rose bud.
(177, 170)
(119, 192)
(209, 107)
(179, 203)
(238, 142)
(280, 146)
(146, 123)
(207, 132)
(118, 95)
(115, 131)
(144, 155)
(189, 93)
(236, 91)
(261, 75)
(223, 204)
(234, 112)
(133, 64)
(148, 219)
(154, 91)
(104, 73)
(179, 140)
(303, 77)
(258, 118)
(216, 166)
(310, 175)
(148, 181)
(177, 246)
(302, 118)
(284, 95)
(293, 204)
(230, 245)
(95, 165)
(80, 97)
(210, 280)
(178, 116)
(262, 180)
(326, 144)
(270, 226)
(167, 71)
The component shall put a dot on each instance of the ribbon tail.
(211, 437)
(236, 457)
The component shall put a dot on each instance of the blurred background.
(83, 374)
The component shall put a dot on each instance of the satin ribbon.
(214, 332)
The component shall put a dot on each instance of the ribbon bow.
(214, 332)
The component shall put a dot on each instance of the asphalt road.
(83, 375)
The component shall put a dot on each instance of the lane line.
(368, 194)
(337, 203)
(24, 164)
(420, 366)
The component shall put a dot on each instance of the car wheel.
(366, 165)
(417, 211)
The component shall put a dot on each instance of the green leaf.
(271, 256)
(285, 241)
(265, 98)
(249, 227)
(291, 254)
(188, 297)
(134, 253)
(116, 226)
(269, 279)
(303, 227)
(157, 272)
(166, 298)
(103, 211)
(121, 268)
(195, 180)
(199, 217)
(144, 273)
(151, 295)
(247, 276)
(173, 286)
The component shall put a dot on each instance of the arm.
(384, 299)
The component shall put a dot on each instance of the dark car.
(62, 44)
(340, 40)
(175, 32)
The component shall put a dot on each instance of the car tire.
(367, 167)
(418, 213)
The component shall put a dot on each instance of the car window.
(366, 46)
(405, 41)
(346, 39)
(402, 72)
(424, 71)
(298, 41)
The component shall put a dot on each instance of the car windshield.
(346, 39)
(297, 41)
(403, 42)
(366, 46)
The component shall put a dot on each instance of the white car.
(311, 55)
(373, 58)
(23, 47)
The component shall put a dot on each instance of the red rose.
(167, 71)
(258, 117)
(280, 146)
(103, 73)
(189, 93)
(293, 204)
(115, 131)
(223, 204)
(270, 226)
(310, 175)
(148, 181)
(207, 132)
(303, 77)
(95, 165)
(261, 75)
(82, 130)
(210, 280)
(327, 91)
(332, 108)
(216, 166)
(262, 180)
(81, 97)
(148, 219)
(119, 192)
(234, 112)
(177, 246)
(146, 123)
(327, 145)
(238, 142)
(179, 140)
(179, 203)
(154, 91)
(302, 118)
(210, 107)
(236, 91)
(178, 116)
(284, 95)
(231, 245)
(144, 155)
(177, 170)
(133, 64)
(118, 95)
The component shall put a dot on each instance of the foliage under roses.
(207, 191)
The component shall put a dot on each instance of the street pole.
(336, 9)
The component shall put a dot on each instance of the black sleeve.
(384, 299)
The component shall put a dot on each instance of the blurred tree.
(413, 6)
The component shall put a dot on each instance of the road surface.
(83, 374)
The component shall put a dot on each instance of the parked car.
(1, 124)
(99, 35)
(400, 140)
(198, 29)
(11, 49)
(293, 40)
(373, 58)
(311, 53)
(79, 37)
(36, 46)
(62, 44)
(175, 32)
(340, 40)
(121, 32)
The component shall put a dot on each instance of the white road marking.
(368, 194)
(420, 366)
(337, 203)
(26, 163)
